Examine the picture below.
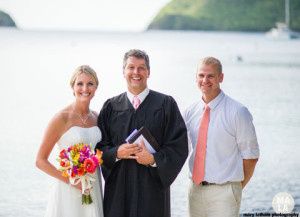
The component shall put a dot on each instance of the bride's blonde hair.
(86, 69)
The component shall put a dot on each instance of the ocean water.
(262, 74)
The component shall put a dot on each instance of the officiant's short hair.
(86, 69)
(140, 54)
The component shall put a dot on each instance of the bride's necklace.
(83, 118)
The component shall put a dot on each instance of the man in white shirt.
(223, 152)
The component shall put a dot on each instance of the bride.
(74, 124)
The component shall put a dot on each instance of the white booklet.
(143, 134)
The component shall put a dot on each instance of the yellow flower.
(76, 158)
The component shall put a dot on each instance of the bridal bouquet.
(79, 163)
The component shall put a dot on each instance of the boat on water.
(282, 30)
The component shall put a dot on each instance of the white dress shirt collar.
(215, 102)
(141, 96)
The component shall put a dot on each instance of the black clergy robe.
(132, 189)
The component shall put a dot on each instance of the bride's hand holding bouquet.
(79, 164)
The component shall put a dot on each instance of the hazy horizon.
(93, 15)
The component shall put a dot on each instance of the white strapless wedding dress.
(65, 200)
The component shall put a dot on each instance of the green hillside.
(6, 20)
(225, 15)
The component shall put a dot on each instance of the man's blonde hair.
(211, 61)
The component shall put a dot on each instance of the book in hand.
(143, 134)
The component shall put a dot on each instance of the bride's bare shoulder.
(62, 115)
(61, 118)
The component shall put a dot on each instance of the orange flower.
(65, 174)
(81, 171)
(99, 156)
(73, 174)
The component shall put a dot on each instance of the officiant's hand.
(128, 151)
(144, 157)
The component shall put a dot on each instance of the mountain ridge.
(6, 20)
(226, 15)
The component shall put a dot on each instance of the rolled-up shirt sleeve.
(246, 135)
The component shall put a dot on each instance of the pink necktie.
(199, 162)
(136, 102)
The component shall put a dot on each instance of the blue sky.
(115, 15)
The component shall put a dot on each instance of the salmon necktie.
(136, 102)
(199, 162)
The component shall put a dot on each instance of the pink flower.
(95, 159)
(63, 154)
(89, 165)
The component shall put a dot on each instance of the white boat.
(282, 30)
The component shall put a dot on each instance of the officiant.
(137, 181)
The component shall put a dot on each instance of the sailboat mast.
(287, 13)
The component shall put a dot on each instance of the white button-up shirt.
(231, 138)
(141, 96)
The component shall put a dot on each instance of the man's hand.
(128, 151)
(144, 156)
(249, 165)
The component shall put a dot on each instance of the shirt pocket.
(223, 140)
